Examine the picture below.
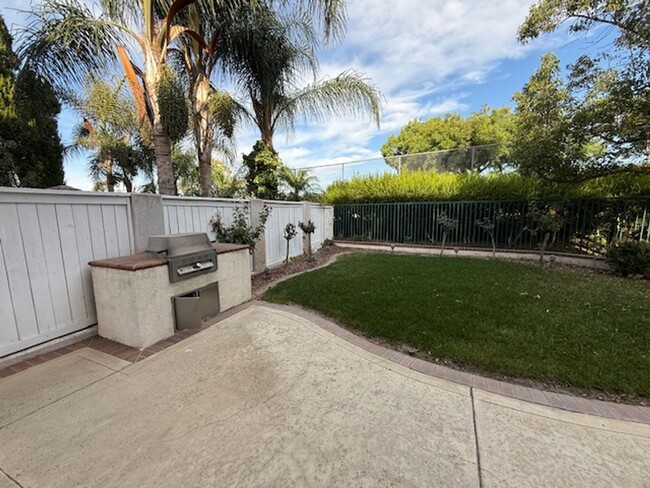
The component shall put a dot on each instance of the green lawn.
(566, 327)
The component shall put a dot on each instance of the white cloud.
(422, 55)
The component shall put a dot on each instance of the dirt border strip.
(331, 259)
(619, 411)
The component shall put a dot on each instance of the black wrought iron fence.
(583, 226)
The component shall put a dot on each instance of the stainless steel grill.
(187, 255)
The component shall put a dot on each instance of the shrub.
(240, 232)
(264, 170)
(421, 186)
(630, 258)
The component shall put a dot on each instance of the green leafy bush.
(630, 258)
(240, 232)
(422, 186)
(264, 171)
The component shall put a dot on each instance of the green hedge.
(630, 258)
(419, 186)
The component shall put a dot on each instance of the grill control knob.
(197, 265)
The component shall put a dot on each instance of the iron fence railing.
(584, 226)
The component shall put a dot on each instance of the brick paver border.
(632, 413)
(101, 344)
(116, 349)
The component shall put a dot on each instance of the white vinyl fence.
(47, 239)
(275, 244)
(193, 214)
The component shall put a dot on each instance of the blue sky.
(427, 57)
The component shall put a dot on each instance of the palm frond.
(125, 12)
(350, 93)
(299, 183)
(331, 15)
(64, 41)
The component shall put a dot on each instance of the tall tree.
(66, 40)
(109, 128)
(269, 54)
(30, 147)
(545, 143)
(8, 118)
(459, 144)
(211, 110)
(610, 90)
(221, 30)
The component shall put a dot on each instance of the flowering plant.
(240, 232)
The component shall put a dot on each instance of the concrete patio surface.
(267, 398)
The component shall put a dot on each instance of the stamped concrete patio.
(268, 398)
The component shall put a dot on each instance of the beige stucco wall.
(135, 307)
(233, 275)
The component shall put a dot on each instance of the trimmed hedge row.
(427, 186)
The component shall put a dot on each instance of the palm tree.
(268, 82)
(196, 61)
(301, 184)
(110, 129)
(66, 40)
(214, 112)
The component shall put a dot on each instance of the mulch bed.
(295, 265)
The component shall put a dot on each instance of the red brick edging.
(104, 345)
(632, 413)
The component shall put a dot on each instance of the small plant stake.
(487, 225)
(447, 225)
(308, 229)
(289, 233)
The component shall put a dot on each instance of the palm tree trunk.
(108, 165)
(203, 131)
(263, 117)
(162, 146)
(267, 136)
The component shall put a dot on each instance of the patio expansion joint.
(11, 478)
(61, 398)
(476, 443)
(624, 412)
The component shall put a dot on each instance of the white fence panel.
(47, 238)
(328, 223)
(317, 216)
(193, 214)
(275, 244)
